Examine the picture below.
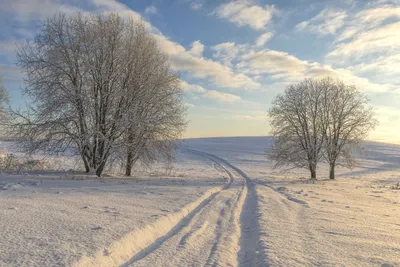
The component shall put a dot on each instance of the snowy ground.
(220, 205)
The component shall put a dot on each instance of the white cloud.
(150, 10)
(370, 43)
(243, 12)
(210, 94)
(328, 21)
(181, 59)
(197, 49)
(228, 52)
(218, 74)
(315, 70)
(221, 96)
(264, 38)
(250, 117)
(192, 88)
(384, 68)
(385, 39)
(196, 6)
(107, 6)
(26, 10)
(272, 62)
(289, 69)
(189, 105)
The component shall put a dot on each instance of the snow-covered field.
(221, 204)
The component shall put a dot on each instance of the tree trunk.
(100, 168)
(85, 163)
(332, 171)
(129, 161)
(87, 169)
(313, 172)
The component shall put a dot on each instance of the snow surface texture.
(221, 205)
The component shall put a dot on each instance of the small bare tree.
(4, 101)
(88, 76)
(298, 127)
(348, 119)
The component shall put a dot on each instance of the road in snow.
(221, 231)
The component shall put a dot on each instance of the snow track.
(252, 252)
(218, 233)
(221, 229)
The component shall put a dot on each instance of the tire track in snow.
(211, 234)
(252, 251)
(181, 225)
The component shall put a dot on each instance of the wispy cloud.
(264, 38)
(215, 72)
(228, 52)
(221, 96)
(196, 5)
(250, 117)
(190, 105)
(192, 88)
(150, 10)
(245, 13)
(370, 42)
(328, 21)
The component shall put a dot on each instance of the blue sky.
(235, 56)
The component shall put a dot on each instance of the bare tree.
(156, 120)
(4, 101)
(298, 127)
(86, 81)
(348, 119)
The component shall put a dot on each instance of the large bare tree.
(88, 77)
(298, 127)
(349, 118)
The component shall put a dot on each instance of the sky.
(234, 57)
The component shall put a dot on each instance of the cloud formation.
(328, 21)
(197, 49)
(263, 39)
(221, 96)
(245, 13)
(150, 10)
(217, 73)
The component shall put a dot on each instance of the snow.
(221, 204)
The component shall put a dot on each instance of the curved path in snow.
(222, 231)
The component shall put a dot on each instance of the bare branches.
(4, 101)
(319, 119)
(93, 81)
(297, 125)
(349, 118)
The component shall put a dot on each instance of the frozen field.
(221, 204)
